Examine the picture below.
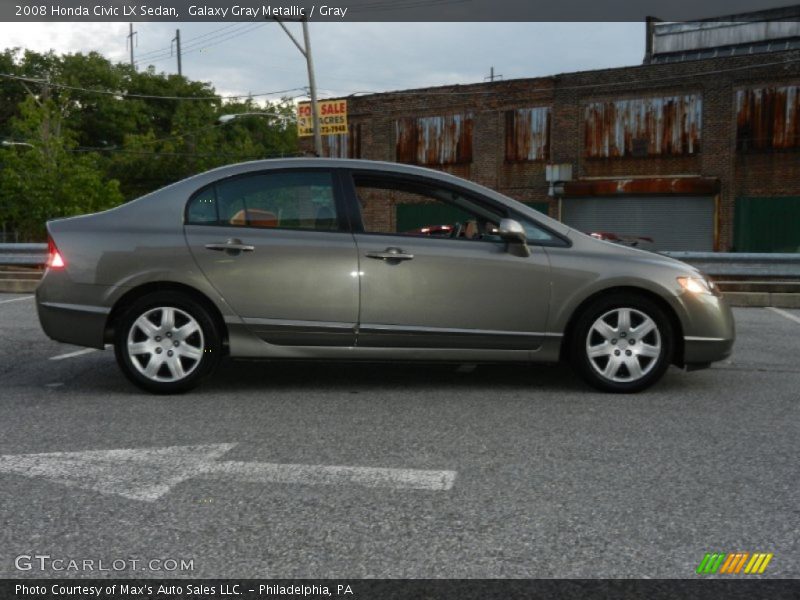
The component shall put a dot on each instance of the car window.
(203, 207)
(410, 207)
(534, 232)
(293, 200)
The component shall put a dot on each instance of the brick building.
(698, 148)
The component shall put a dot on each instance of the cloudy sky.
(239, 58)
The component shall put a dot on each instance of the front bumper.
(709, 329)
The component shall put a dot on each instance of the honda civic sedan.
(326, 259)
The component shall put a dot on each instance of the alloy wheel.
(165, 344)
(623, 345)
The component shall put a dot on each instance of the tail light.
(54, 258)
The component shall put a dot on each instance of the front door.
(448, 283)
(275, 246)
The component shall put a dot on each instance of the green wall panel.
(767, 224)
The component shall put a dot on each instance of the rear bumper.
(77, 324)
(68, 312)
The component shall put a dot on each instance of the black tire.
(205, 343)
(621, 349)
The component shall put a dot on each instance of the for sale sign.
(332, 117)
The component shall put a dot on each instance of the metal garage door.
(674, 223)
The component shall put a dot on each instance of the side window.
(203, 207)
(287, 200)
(409, 207)
(535, 233)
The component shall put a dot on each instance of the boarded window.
(343, 145)
(664, 126)
(768, 118)
(528, 134)
(443, 140)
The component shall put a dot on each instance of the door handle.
(233, 246)
(390, 254)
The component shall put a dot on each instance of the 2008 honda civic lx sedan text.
(359, 260)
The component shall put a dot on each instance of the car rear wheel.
(167, 343)
(622, 343)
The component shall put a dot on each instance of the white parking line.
(783, 313)
(149, 473)
(15, 299)
(72, 354)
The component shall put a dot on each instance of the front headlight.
(698, 285)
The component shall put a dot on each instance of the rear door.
(276, 246)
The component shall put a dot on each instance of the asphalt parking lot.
(504, 471)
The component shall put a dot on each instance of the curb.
(18, 286)
(776, 299)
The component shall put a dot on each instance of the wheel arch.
(675, 323)
(134, 294)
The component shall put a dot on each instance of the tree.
(103, 133)
(50, 179)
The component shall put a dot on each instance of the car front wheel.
(622, 343)
(167, 343)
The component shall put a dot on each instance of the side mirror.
(513, 232)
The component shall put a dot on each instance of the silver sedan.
(361, 260)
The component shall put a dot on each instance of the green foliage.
(47, 180)
(85, 151)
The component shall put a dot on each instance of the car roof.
(330, 163)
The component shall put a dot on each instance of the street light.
(9, 144)
(228, 118)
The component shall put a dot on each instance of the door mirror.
(513, 232)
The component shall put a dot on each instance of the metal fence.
(740, 264)
(26, 255)
(713, 263)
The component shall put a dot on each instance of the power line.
(188, 40)
(248, 28)
(144, 96)
(189, 43)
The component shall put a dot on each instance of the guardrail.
(717, 264)
(741, 264)
(27, 255)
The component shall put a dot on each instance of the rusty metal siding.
(440, 140)
(768, 118)
(659, 126)
(528, 134)
(343, 145)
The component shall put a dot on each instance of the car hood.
(587, 243)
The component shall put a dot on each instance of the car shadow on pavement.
(342, 376)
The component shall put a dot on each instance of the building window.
(442, 140)
(343, 145)
(768, 118)
(640, 127)
(528, 134)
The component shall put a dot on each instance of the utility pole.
(177, 40)
(492, 76)
(130, 41)
(305, 50)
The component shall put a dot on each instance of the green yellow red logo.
(736, 563)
